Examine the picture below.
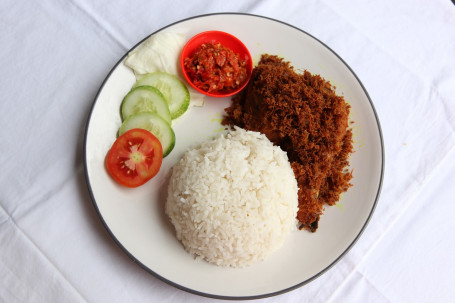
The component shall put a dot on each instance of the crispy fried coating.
(302, 114)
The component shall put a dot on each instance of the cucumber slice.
(145, 99)
(154, 124)
(175, 91)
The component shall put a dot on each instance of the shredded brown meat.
(302, 114)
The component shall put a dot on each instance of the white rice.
(233, 200)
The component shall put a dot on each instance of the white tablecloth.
(54, 56)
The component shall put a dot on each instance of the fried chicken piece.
(302, 114)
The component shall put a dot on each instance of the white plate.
(135, 217)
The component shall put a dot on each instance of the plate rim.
(206, 294)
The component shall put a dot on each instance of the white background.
(56, 54)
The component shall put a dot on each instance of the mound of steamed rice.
(233, 200)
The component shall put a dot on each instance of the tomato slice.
(134, 158)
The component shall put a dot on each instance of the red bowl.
(228, 41)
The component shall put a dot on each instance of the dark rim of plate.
(223, 296)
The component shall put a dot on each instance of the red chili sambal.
(216, 68)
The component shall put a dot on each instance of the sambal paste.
(216, 68)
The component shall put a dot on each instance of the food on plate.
(160, 53)
(173, 89)
(303, 115)
(152, 103)
(154, 124)
(157, 97)
(145, 99)
(233, 200)
(216, 68)
(134, 158)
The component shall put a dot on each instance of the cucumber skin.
(171, 147)
(183, 108)
(172, 144)
(186, 102)
(154, 89)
